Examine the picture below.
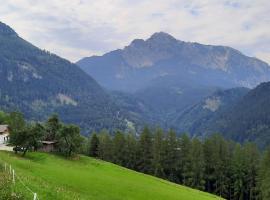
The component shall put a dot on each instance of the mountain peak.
(6, 30)
(161, 36)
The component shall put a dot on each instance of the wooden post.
(9, 169)
(35, 196)
(13, 176)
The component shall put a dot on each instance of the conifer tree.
(159, 154)
(119, 148)
(185, 159)
(94, 145)
(197, 165)
(145, 151)
(172, 156)
(105, 146)
(264, 175)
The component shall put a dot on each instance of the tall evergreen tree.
(93, 145)
(172, 156)
(145, 151)
(131, 151)
(105, 146)
(119, 148)
(197, 165)
(185, 160)
(252, 159)
(159, 154)
(216, 153)
(264, 175)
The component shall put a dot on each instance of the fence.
(14, 177)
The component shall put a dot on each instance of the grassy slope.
(53, 177)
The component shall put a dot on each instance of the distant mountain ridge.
(161, 55)
(39, 83)
(169, 76)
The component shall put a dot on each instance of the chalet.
(48, 146)
(4, 134)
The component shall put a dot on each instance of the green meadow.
(53, 177)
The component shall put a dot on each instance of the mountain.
(202, 118)
(248, 119)
(39, 83)
(170, 75)
(143, 61)
(239, 114)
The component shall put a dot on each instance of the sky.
(75, 29)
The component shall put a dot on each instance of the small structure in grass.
(48, 146)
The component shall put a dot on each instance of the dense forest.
(215, 165)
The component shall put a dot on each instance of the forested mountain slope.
(39, 83)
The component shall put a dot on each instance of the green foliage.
(56, 178)
(119, 149)
(39, 83)
(69, 139)
(144, 151)
(214, 165)
(264, 175)
(53, 126)
(105, 146)
(94, 144)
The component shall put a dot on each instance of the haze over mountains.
(183, 85)
(194, 88)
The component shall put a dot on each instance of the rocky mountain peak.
(161, 36)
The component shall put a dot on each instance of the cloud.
(78, 28)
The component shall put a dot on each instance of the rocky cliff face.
(162, 55)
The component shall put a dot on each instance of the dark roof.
(48, 142)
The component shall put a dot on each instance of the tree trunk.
(24, 152)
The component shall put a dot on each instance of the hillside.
(202, 118)
(248, 120)
(53, 178)
(39, 83)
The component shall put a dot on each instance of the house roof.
(48, 142)
(3, 128)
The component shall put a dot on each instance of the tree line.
(215, 165)
(27, 136)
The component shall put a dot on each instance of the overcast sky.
(77, 28)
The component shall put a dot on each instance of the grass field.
(54, 177)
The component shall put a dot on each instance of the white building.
(4, 134)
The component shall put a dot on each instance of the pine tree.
(264, 175)
(119, 149)
(172, 156)
(252, 159)
(94, 145)
(185, 160)
(131, 151)
(159, 154)
(216, 153)
(105, 146)
(197, 165)
(144, 163)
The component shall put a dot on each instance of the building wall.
(2, 138)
